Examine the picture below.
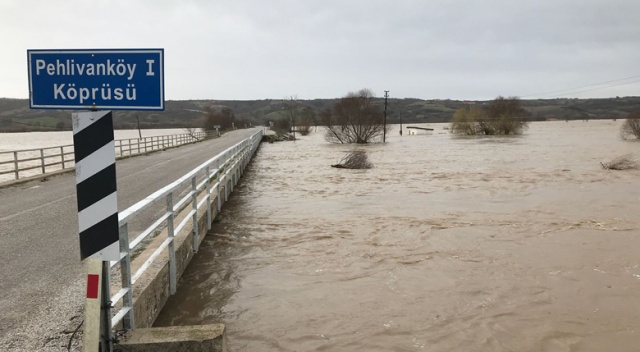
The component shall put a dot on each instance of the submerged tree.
(502, 116)
(465, 120)
(631, 127)
(354, 119)
(624, 162)
(306, 120)
(355, 159)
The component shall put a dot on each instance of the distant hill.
(15, 115)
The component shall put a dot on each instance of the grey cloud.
(427, 49)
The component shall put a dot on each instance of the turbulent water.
(447, 244)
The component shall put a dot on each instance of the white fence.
(18, 164)
(209, 182)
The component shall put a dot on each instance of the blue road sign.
(103, 79)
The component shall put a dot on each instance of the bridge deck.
(42, 278)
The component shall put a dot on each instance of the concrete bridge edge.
(151, 293)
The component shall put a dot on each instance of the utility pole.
(384, 132)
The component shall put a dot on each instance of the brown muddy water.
(447, 244)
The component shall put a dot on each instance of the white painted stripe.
(96, 162)
(82, 120)
(111, 252)
(98, 211)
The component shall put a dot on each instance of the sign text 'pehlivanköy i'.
(97, 79)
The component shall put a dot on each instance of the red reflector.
(93, 281)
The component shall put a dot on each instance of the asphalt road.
(39, 248)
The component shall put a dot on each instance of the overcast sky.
(259, 49)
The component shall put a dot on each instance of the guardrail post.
(233, 169)
(42, 160)
(15, 164)
(62, 156)
(243, 160)
(208, 171)
(219, 181)
(226, 180)
(236, 162)
(194, 201)
(172, 250)
(125, 276)
(105, 316)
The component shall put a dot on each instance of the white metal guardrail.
(214, 179)
(42, 160)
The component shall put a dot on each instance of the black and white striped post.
(95, 159)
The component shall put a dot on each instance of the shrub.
(624, 162)
(502, 116)
(467, 120)
(631, 127)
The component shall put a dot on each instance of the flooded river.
(447, 244)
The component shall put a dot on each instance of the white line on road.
(35, 208)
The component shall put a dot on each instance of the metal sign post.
(96, 192)
(102, 79)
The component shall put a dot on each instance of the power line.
(587, 90)
(585, 86)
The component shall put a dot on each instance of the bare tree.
(631, 127)
(291, 107)
(354, 119)
(307, 119)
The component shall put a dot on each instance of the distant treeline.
(15, 115)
